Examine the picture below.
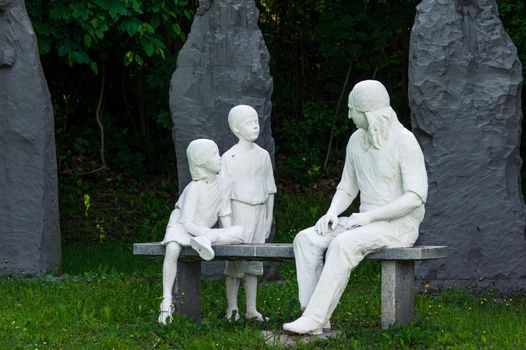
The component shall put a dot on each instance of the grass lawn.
(108, 298)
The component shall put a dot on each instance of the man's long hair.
(371, 98)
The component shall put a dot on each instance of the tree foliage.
(319, 49)
(85, 32)
(111, 59)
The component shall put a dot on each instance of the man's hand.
(322, 226)
(358, 219)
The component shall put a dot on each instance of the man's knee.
(304, 237)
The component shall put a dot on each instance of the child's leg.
(228, 235)
(169, 272)
(232, 288)
(251, 288)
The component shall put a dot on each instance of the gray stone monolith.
(223, 63)
(465, 95)
(29, 219)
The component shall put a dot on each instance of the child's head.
(203, 158)
(244, 123)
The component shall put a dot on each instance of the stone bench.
(398, 276)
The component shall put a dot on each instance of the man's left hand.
(358, 219)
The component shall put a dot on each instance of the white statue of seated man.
(385, 164)
(248, 170)
(203, 201)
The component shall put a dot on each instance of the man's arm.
(398, 208)
(414, 184)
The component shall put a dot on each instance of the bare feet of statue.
(255, 315)
(166, 311)
(303, 325)
(232, 315)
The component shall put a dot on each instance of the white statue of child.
(203, 201)
(248, 170)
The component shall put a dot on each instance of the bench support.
(187, 289)
(398, 292)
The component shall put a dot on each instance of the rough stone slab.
(283, 339)
(223, 63)
(465, 95)
(398, 293)
(284, 251)
(29, 216)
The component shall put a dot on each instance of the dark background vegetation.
(108, 65)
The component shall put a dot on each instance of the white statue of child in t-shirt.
(203, 201)
(248, 170)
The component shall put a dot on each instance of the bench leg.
(398, 292)
(187, 289)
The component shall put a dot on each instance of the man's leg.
(343, 255)
(309, 248)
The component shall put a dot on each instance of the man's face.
(213, 161)
(249, 128)
(358, 117)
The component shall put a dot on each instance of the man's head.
(203, 158)
(370, 110)
(244, 123)
(366, 96)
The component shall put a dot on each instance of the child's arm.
(226, 221)
(188, 213)
(269, 211)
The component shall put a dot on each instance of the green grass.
(108, 298)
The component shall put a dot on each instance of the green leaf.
(138, 60)
(148, 47)
(94, 67)
(87, 40)
(128, 58)
(131, 26)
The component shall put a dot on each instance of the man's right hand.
(322, 226)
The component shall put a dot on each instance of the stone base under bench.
(398, 276)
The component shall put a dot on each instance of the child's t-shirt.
(249, 174)
(203, 203)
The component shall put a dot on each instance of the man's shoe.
(203, 246)
(303, 325)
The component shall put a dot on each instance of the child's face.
(213, 161)
(249, 128)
